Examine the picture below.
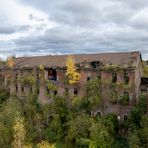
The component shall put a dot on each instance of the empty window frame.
(22, 89)
(75, 91)
(126, 96)
(31, 90)
(126, 78)
(99, 113)
(47, 90)
(114, 77)
(100, 91)
(126, 93)
(38, 90)
(125, 117)
(37, 77)
(22, 73)
(16, 88)
(52, 74)
(55, 92)
(88, 78)
(95, 64)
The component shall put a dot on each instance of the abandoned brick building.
(122, 70)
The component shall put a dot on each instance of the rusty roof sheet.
(121, 58)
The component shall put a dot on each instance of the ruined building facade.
(120, 75)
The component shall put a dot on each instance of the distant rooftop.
(120, 58)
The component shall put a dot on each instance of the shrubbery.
(67, 122)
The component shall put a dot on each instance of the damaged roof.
(121, 58)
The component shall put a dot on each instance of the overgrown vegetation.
(66, 122)
(4, 94)
(27, 79)
(145, 68)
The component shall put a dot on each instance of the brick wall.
(106, 76)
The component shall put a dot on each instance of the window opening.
(75, 91)
(126, 78)
(114, 77)
(52, 74)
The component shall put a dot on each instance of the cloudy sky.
(43, 27)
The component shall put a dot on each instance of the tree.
(4, 94)
(72, 74)
(7, 115)
(145, 68)
(101, 134)
(143, 132)
(10, 62)
(79, 127)
(133, 139)
(136, 113)
(19, 133)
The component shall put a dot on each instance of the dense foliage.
(66, 122)
(4, 94)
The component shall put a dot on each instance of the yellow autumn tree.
(10, 62)
(71, 73)
(19, 133)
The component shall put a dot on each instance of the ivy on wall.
(27, 79)
(93, 88)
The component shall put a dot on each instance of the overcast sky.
(43, 27)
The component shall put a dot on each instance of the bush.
(124, 99)
(137, 112)
(4, 94)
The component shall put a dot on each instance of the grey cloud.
(88, 13)
(41, 26)
(118, 14)
(32, 17)
(65, 41)
(22, 28)
(86, 26)
(72, 12)
(134, 4)
(13, 29)
(7, 30)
